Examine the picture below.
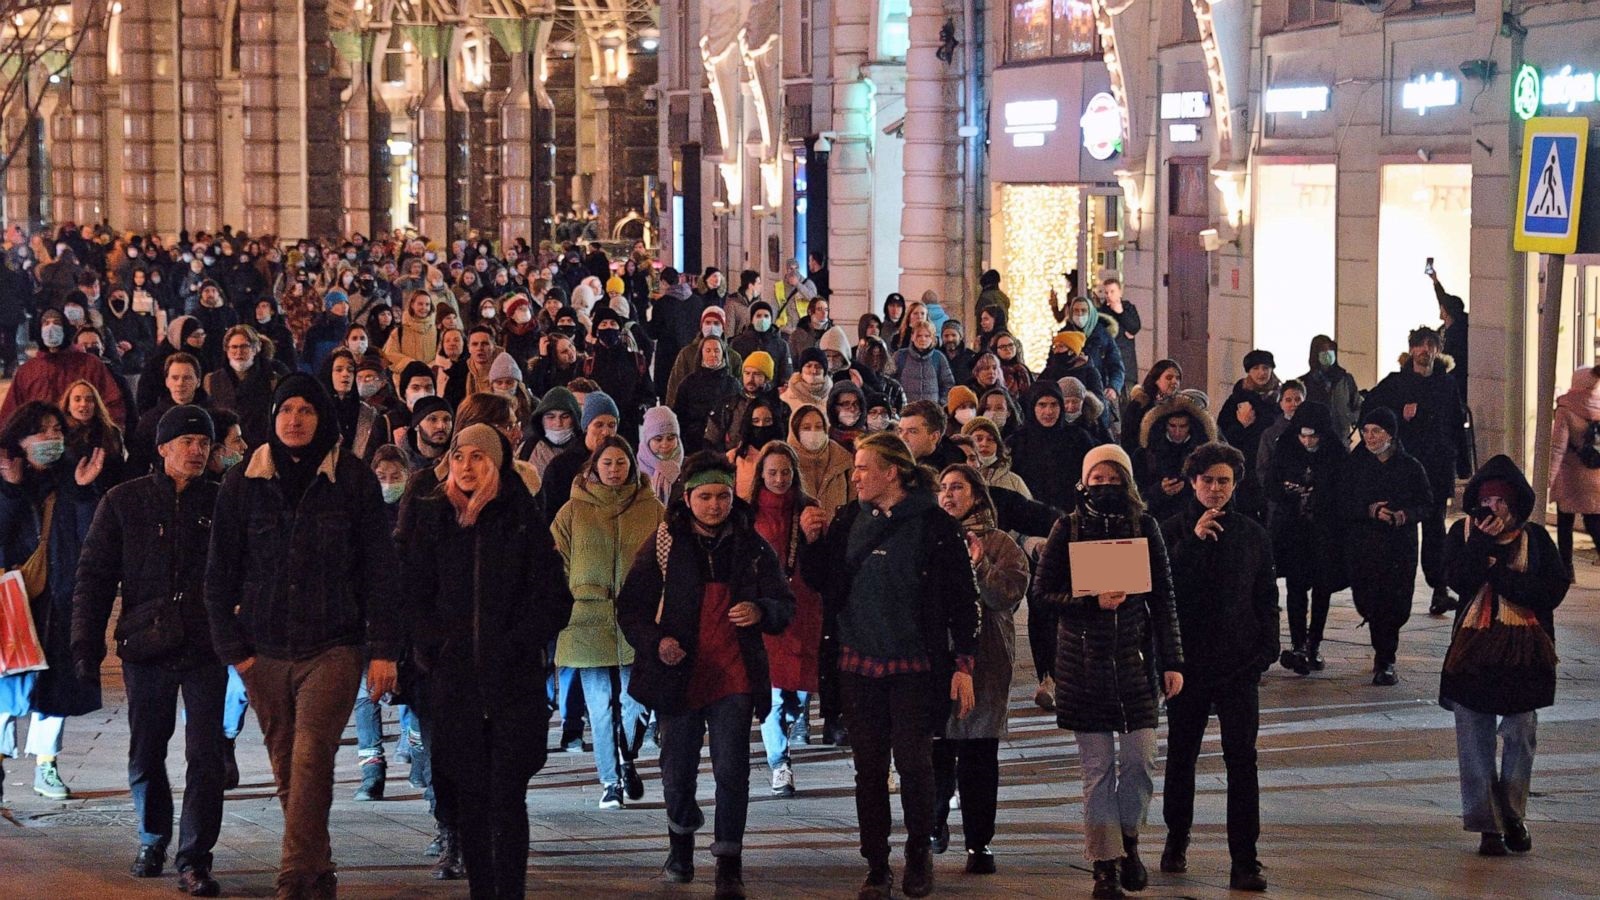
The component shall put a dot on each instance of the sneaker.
(373, 772)
(783, 781)
(612, 798)
(1385, 676)
(632, 784)
(47, 782)
(576, 745)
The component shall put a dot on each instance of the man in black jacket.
(301, 588)
(150, 536)
(1227, 600)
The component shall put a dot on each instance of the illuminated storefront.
(1425, 213)
(1295, 272)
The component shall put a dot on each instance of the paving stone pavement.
(1359, 798)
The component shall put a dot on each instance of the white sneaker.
(783, 781)
(612, 798)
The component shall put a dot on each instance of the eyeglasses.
(1005, 346)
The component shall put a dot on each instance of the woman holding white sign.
(1106, 681)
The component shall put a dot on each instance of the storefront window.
(1041, 29)
(1295, 229)
(1425, 211)
(1040, 226)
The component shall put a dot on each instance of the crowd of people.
(484, 484)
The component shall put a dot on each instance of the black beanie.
(414, 369)
(181, 420)
(761, 306)
(427, 406)
(1259, 358)
(1383, 417)
(307, 388)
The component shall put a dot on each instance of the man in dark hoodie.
(675, 323)
(301, 587)
(1249, 411)
(1226, 595)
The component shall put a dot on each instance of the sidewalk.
(1359, 792)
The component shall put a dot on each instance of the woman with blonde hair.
(415, 338)
(90, 427)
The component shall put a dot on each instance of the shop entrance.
(1576, 346)
(1188, 279)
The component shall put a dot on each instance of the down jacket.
(923, 376)
(1108, 661)
(598, 533)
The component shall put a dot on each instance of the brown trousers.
(303, 706)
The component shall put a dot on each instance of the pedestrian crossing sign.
(1551, 189)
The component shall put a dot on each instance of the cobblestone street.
(1359, 798)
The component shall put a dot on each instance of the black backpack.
(1589, 450)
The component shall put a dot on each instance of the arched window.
(114, 42)
(230, 38)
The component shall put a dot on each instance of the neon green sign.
(1525, 93)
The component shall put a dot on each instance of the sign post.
(1549, 198)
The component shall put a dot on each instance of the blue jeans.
(728, 721)
(152, 717)
(1118, 779)
(597, 695)
(234, 705)
(1491, 800)
(563, 681)
(787, 707)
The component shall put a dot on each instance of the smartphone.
(1428, 269)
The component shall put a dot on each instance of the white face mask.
(877, 423)
(986, 460)
(358, 347)
(558, 436)
(761, 323)
(813, 378)
(966, 414)
(813, 441)
(848, 417)
(999, 417)
(711, 329)
(1070, 417)
(522, 317)
(414, 396)
(1383, 448)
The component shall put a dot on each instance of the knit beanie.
(482, 436)
(412, 370)
(181, 420)
(809, 355)
(615, 285)
(427, 406)
(959, 396)
(597, 404)
(1111, 453)
(1068, 340)
(333, 297)
(1383, 417)
(658, 420)
(761, 306)
(761, 360)
(1071, 387)
(504, 366)
(1259, 358)
(714, 312)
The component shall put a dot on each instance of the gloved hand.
(88, 672)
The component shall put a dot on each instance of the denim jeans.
(1117, 784)
(565, 691)
(44, 735)
(1238, 709)
(728, 721)
(787, 708)
(1490, 799)
(597, 695)
(152, 717)
(234, 705)
(369, 723)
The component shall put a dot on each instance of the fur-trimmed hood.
(1444, 360)
(1166, 409)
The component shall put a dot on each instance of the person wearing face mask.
(809, 385)
(44, 494)
(762, 426)
(1432, 423)
(270, 325)
(996, 405)
(763, 336)
(824, 467)
(1114, 650)
(1100, 345)
(131, 334)
(181, 386)
(1384, 494)
(712, 325)
(553, 428)
(725, 426)
(847, 413)
(1290, 396)
(922, 370)
(961, 406)
(520, 333)
(1081, 409)
(1307, 534)
(58, 364)
(660, 450)
(621, 369)
(228, 451)
(360, 424)
(994, 457)
(740, 304)
(1067, 359)
(1328, 383)
(1170, 432)
(703, 392)
(245, 386)
(91, 340)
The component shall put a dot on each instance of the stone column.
(355, 153)
(431, 149)
(60, 128)
(849, 175)
(517, 151)
(200, 46)
(610, 153)
(258, 67)
(87, 167)
(322, 205)
(138, 118)
(485, 132)
(930, 224)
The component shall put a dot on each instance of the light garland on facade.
(1041, 237)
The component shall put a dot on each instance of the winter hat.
(761, 306)
(412, 370)
(180, 329)
(305, 387)
(714, 312)
(658, 420)
(1197, 397)
(370, 362)
(427, 406)
(597, 404)
(1383, 417)
(1068, 340)
(836, 340)
(809, 355)
(761, 361)
(959, 396)
(603, 314)
(1111, 453)
(1070, 387)
(181, 420)
(615, 285)
(1259, 358)
(557, 399)
(482, 436)
(504, 366)
(517, 302)
(442, 310)
(333, 297)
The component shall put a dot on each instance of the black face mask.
(761, 435)
(609, 337)
(1109, 499)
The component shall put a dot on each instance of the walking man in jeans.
(150, 535)
(301, 589)
(1227, 601)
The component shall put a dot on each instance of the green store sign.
(1561, 91)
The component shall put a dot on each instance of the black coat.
(483, 602)
(1108, 661)
(1049, 460)
(150, 540)
(1434, 433)
(698, 396)
(249, 397)
(289, 579)
(1382, 557)
(652, 606)
(1226, 593)
(1307, 531)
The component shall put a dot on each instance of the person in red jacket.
(58, 364)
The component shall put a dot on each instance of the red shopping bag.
(20, 650)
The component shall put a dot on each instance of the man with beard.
(429, 435)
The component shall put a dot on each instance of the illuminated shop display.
(1040, 223)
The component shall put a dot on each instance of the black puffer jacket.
(1108, 661)
(152, 541)
(291, 579)
(648, 613)
(1048, 460)
(1227, 596)
(1380, 556)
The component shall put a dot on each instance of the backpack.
(1589, 450)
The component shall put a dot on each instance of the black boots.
(918, 880)
(1442, 602)
(1107, 885)
(1247, 877)
(879, 884)
(1518, 840)
(1492, 844)
(730, 878)
(149, 862)
(1175, 856)
(230, 765)
(941, 836)
(680, 858)
(1134, 874)
(448, 867)
(374, 770)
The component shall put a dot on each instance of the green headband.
(707, 476)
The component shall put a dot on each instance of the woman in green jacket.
(612, 512)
